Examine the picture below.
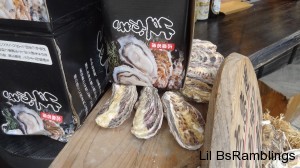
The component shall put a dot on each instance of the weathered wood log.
(234, 116)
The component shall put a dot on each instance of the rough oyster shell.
(164, 67)
(206, 74)
(130, 76)
(149, 114)
(204, 61)
(185, 121)
(30, 122)
(135, 53)
(196, 90)
(119, 107)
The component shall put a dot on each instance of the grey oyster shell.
(204, 61)
(30, 122)
(196, 90)
(130, 76)
(136, 54)
(119, 107)
(164, 67)
(185, 121)
(149, 114)
(203, 68)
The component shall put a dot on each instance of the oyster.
(196, 90)
(164, 67)
(119, 107)
(175, 81)
(203, 73)
(185, 121)
(149, 114)
(30, 122)
(204, 61)
(129, 76)
(135, 53)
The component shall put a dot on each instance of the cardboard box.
(42, 15)
(50, 82)
(148, 41)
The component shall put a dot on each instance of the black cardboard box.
(42, 15)
(148, 41)
(50, 82)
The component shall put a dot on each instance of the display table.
(93, 146)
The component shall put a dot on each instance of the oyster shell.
(119, 107)
(204, 61)
(196, 90)
(149, 114)
(30, 122)
(185, 121)
(130, 76)
(135, 53)
(203, 73)
(164, 67)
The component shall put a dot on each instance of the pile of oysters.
(185, 121)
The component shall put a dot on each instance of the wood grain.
(92, 146)
(234, 114)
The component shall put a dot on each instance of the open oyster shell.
(149, 114)
(164, 67)
(30, 122)
(196, 90)
(135, 53)
(130, 76)
(185, 121)
(119, 107)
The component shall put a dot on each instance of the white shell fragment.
(149, 114)
(185, 121)
(119, 107)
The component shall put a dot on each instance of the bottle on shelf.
(202, 9)
(214, 8)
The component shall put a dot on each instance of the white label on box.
(26, 52)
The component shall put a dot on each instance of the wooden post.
(233, 123)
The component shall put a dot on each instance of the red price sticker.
(52, 117)
(160, 45)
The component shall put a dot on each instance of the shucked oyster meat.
(135, 53)
(149, 114)
(119, 107)
(185, 121)
(130, 76)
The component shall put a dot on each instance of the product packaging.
(50, 81)
(41, 15)
(148, 41)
